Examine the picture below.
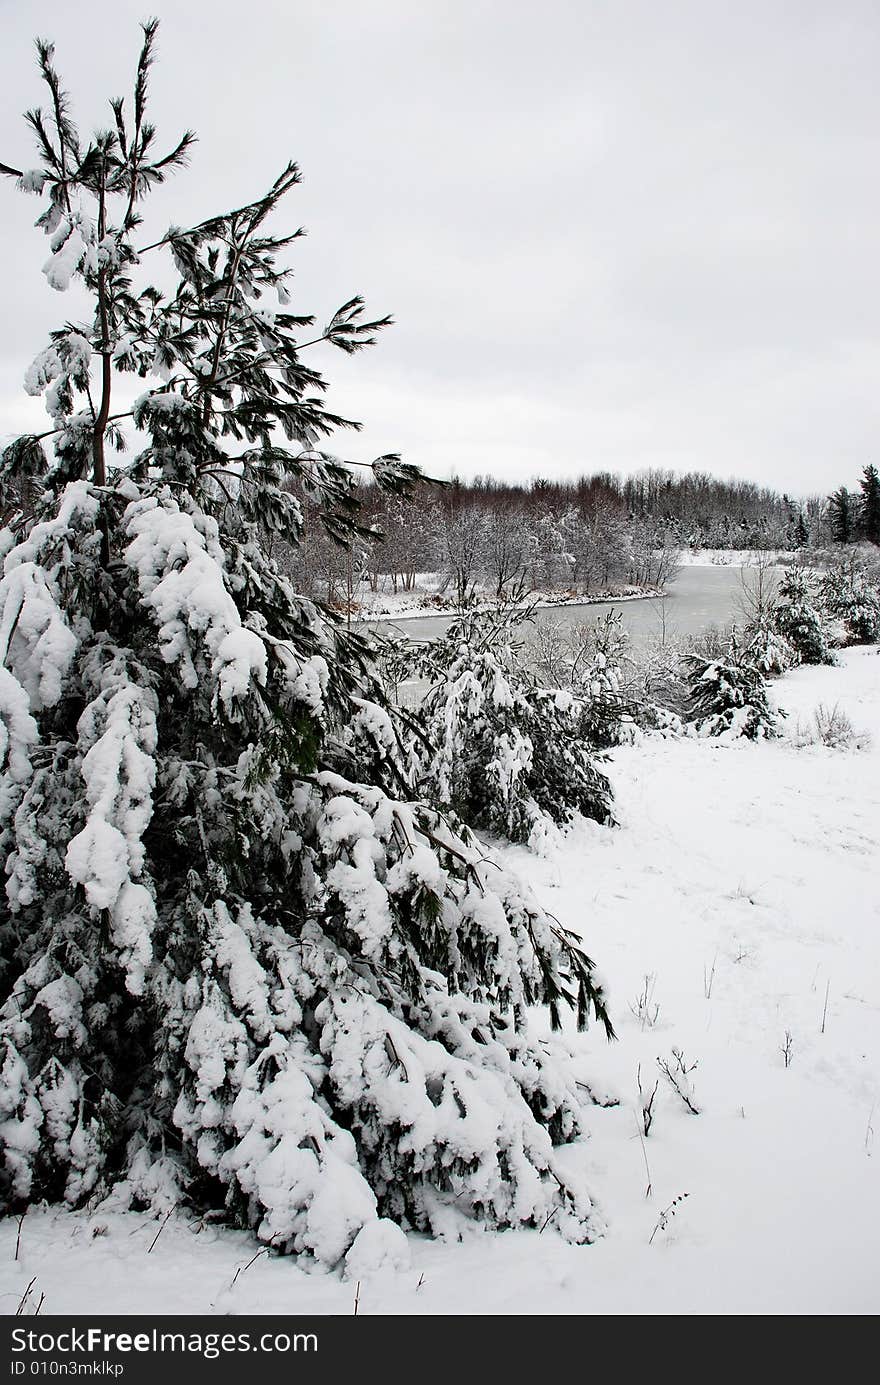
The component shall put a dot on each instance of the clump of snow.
(40, 644)
(32, 180)
(378, 1246)
(18, 733)
(34, 631)
(42, 370)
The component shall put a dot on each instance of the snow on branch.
(181, 577)
(117, 733)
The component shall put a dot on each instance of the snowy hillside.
(736, 915)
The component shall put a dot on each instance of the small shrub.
(799, 619)
(644, 1007)
(588, 662)
(831, 727)
(728, 696)
(607, 711)
(677, 1072)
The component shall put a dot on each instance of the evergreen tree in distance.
(870, 504)
(241, 968)
(843, 516)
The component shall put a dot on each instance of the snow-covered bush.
(728, 696)
(241, 966)
(798, 617)
(851, 592)
(831, 727)
(499, 750)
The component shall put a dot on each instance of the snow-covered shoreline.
(742, 882)
(539, 601)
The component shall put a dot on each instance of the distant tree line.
(598, 533)
(494, 538)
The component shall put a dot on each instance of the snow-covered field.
(744, 884)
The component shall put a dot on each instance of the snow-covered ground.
(744, 883)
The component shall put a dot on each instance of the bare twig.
(677, 1074)
(243, 1269)
(24, 1298)
(161, 1229)
(548, 1219)
(708, 978)
(825, 1006)
(667, 1214)
(650, 1185)
(646, 1101)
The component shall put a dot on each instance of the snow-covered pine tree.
(499, 750)
(850, 592)
(728, 696)
(798, 618)
(234, 973)
(767, 648)
(608, 717)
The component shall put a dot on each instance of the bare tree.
(463, 550)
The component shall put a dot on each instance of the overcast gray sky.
(613, 235)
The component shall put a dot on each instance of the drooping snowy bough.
(241, 967)
(501, 751)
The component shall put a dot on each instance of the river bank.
(429, 601)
